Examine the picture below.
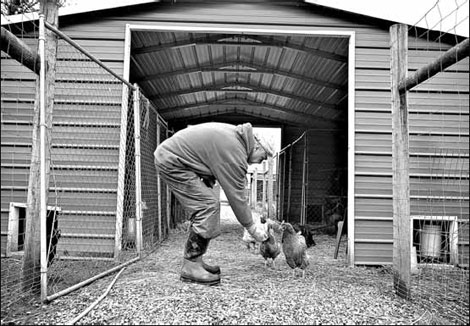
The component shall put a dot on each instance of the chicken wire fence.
(106, 206)
(311, 191)
(436, 168)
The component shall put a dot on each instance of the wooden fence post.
(400, 163)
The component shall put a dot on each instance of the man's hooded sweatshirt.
(214, 149)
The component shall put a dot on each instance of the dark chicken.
(294, 248)
(307, 231)
(270, 248)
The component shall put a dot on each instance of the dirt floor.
(150, 292)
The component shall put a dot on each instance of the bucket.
(431, 241)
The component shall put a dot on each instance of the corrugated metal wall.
(18, 91)
(438, 121)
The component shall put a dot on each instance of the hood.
(245, 131)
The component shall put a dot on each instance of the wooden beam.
(19, 51)
(400, 163)
(452, 56)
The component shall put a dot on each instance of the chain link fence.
(312, 176)
(106, 206)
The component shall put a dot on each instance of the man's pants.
(200, 201)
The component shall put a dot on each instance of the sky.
(445, 15)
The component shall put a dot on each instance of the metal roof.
(274, 79)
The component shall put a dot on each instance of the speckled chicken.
(294, 248)
(270, 248)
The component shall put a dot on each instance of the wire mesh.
(91, 178)
(92, 199)
(438, 120)
(155, 210)
(323, 184)
(18, 92)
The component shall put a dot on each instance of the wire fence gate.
(431, 171)
(320, 196)
(106, 206)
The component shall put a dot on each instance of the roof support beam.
(234, 40)
(238, 103)
(256, 112)
(246, 88)
(242, 67)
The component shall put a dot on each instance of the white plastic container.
(431, 241)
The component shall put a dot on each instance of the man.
(190, 162)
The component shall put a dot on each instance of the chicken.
(270, 248)
(274, 224)
(307, 231)
(250, 242)
(294, 248)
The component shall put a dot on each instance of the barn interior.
(295, 82)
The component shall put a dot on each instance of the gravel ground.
(150, 292)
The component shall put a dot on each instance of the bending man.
(190, 162)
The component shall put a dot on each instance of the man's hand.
(258, 231)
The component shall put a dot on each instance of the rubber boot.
(211, 269)
(214, 269)
(193, 269)
(202, 244)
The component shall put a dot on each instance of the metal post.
(289, 189)
(254, 188)
(282, 190)
(159, 193)
(138, 181)
(304, 184)
(264, 195)
(42, 157)
(270, 188)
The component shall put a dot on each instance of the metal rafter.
(248, 110)
(223, 87)
(252, 68)
(235, 102)
(259, 41)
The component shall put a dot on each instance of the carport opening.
(298, 81)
